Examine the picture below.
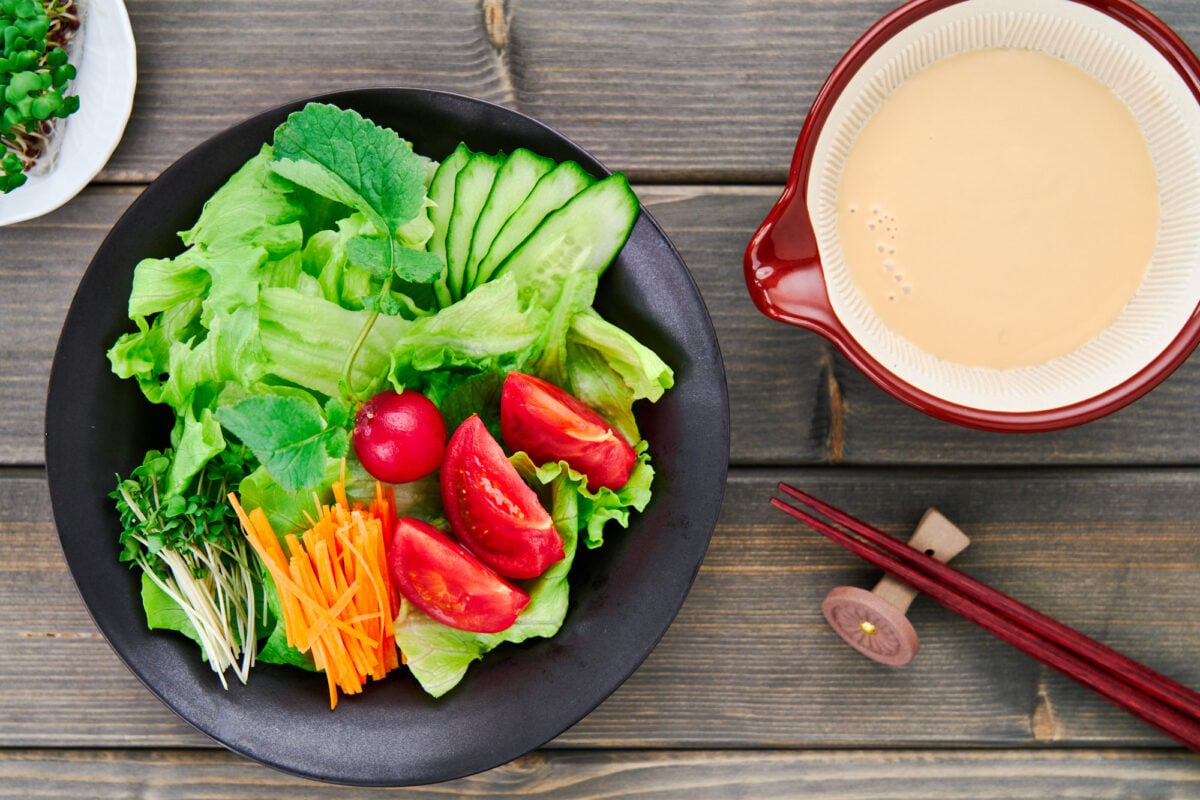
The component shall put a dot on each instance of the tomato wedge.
(551, 425)
(440, 577)
(491, 510)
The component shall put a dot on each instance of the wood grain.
(41, 262)
(204, 66)
(593, 775)
(711, 90)
(749, 694)
(750, 662)
(793, 399)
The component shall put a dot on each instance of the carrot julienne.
(334, 587)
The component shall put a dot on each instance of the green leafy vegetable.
(342, 156)
(317, 275)
(289, 434)
(286, 511)
(197, 574)
(591, 511)
(345, 158)
(254, 209)
(34, 73)
(609, 370)
(304, 338)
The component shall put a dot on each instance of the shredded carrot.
(334, 586)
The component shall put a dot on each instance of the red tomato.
(399, 437)
(490, 508)
(435, 574)
(550, 425)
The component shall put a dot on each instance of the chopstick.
(1161, 702)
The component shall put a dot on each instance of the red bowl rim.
(783, 271)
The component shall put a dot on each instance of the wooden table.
(749, 694)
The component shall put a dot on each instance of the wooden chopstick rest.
(874, 622)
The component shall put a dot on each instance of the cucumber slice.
(441, 193)
(515, 180)
(584, 235)
(554, 189)
(471, 189)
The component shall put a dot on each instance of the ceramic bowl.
(107, 78)
(794, 267)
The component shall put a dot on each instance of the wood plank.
(749, 661)
(206, 66)
(793, 399)
(591, 775)
(711, 90)
(43, 261)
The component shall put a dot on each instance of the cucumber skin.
(441, 192)
(590, 229)
(554, 190)
(471, 188)
(515, 180)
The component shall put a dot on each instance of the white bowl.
(107, 65)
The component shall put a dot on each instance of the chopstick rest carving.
(875, 623)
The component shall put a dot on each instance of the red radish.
(399, 436)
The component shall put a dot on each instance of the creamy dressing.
(999, 209)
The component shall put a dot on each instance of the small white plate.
(105, 84)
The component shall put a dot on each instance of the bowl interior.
(1166, 111)
(623, 596)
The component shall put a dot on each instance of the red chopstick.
(1167, 705)
(1158, 685)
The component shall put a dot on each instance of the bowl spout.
(783, 270)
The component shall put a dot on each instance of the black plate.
(623, 596)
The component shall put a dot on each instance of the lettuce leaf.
(487, 329)
(610, 370)
(164, 614)
(196, 441)
(305, 339)
(162, 283)
(639, 367)
(591, 511)
(254, 207)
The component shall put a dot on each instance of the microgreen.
(34, 73)
(192, 556)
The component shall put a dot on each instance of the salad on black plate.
(396, 412)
